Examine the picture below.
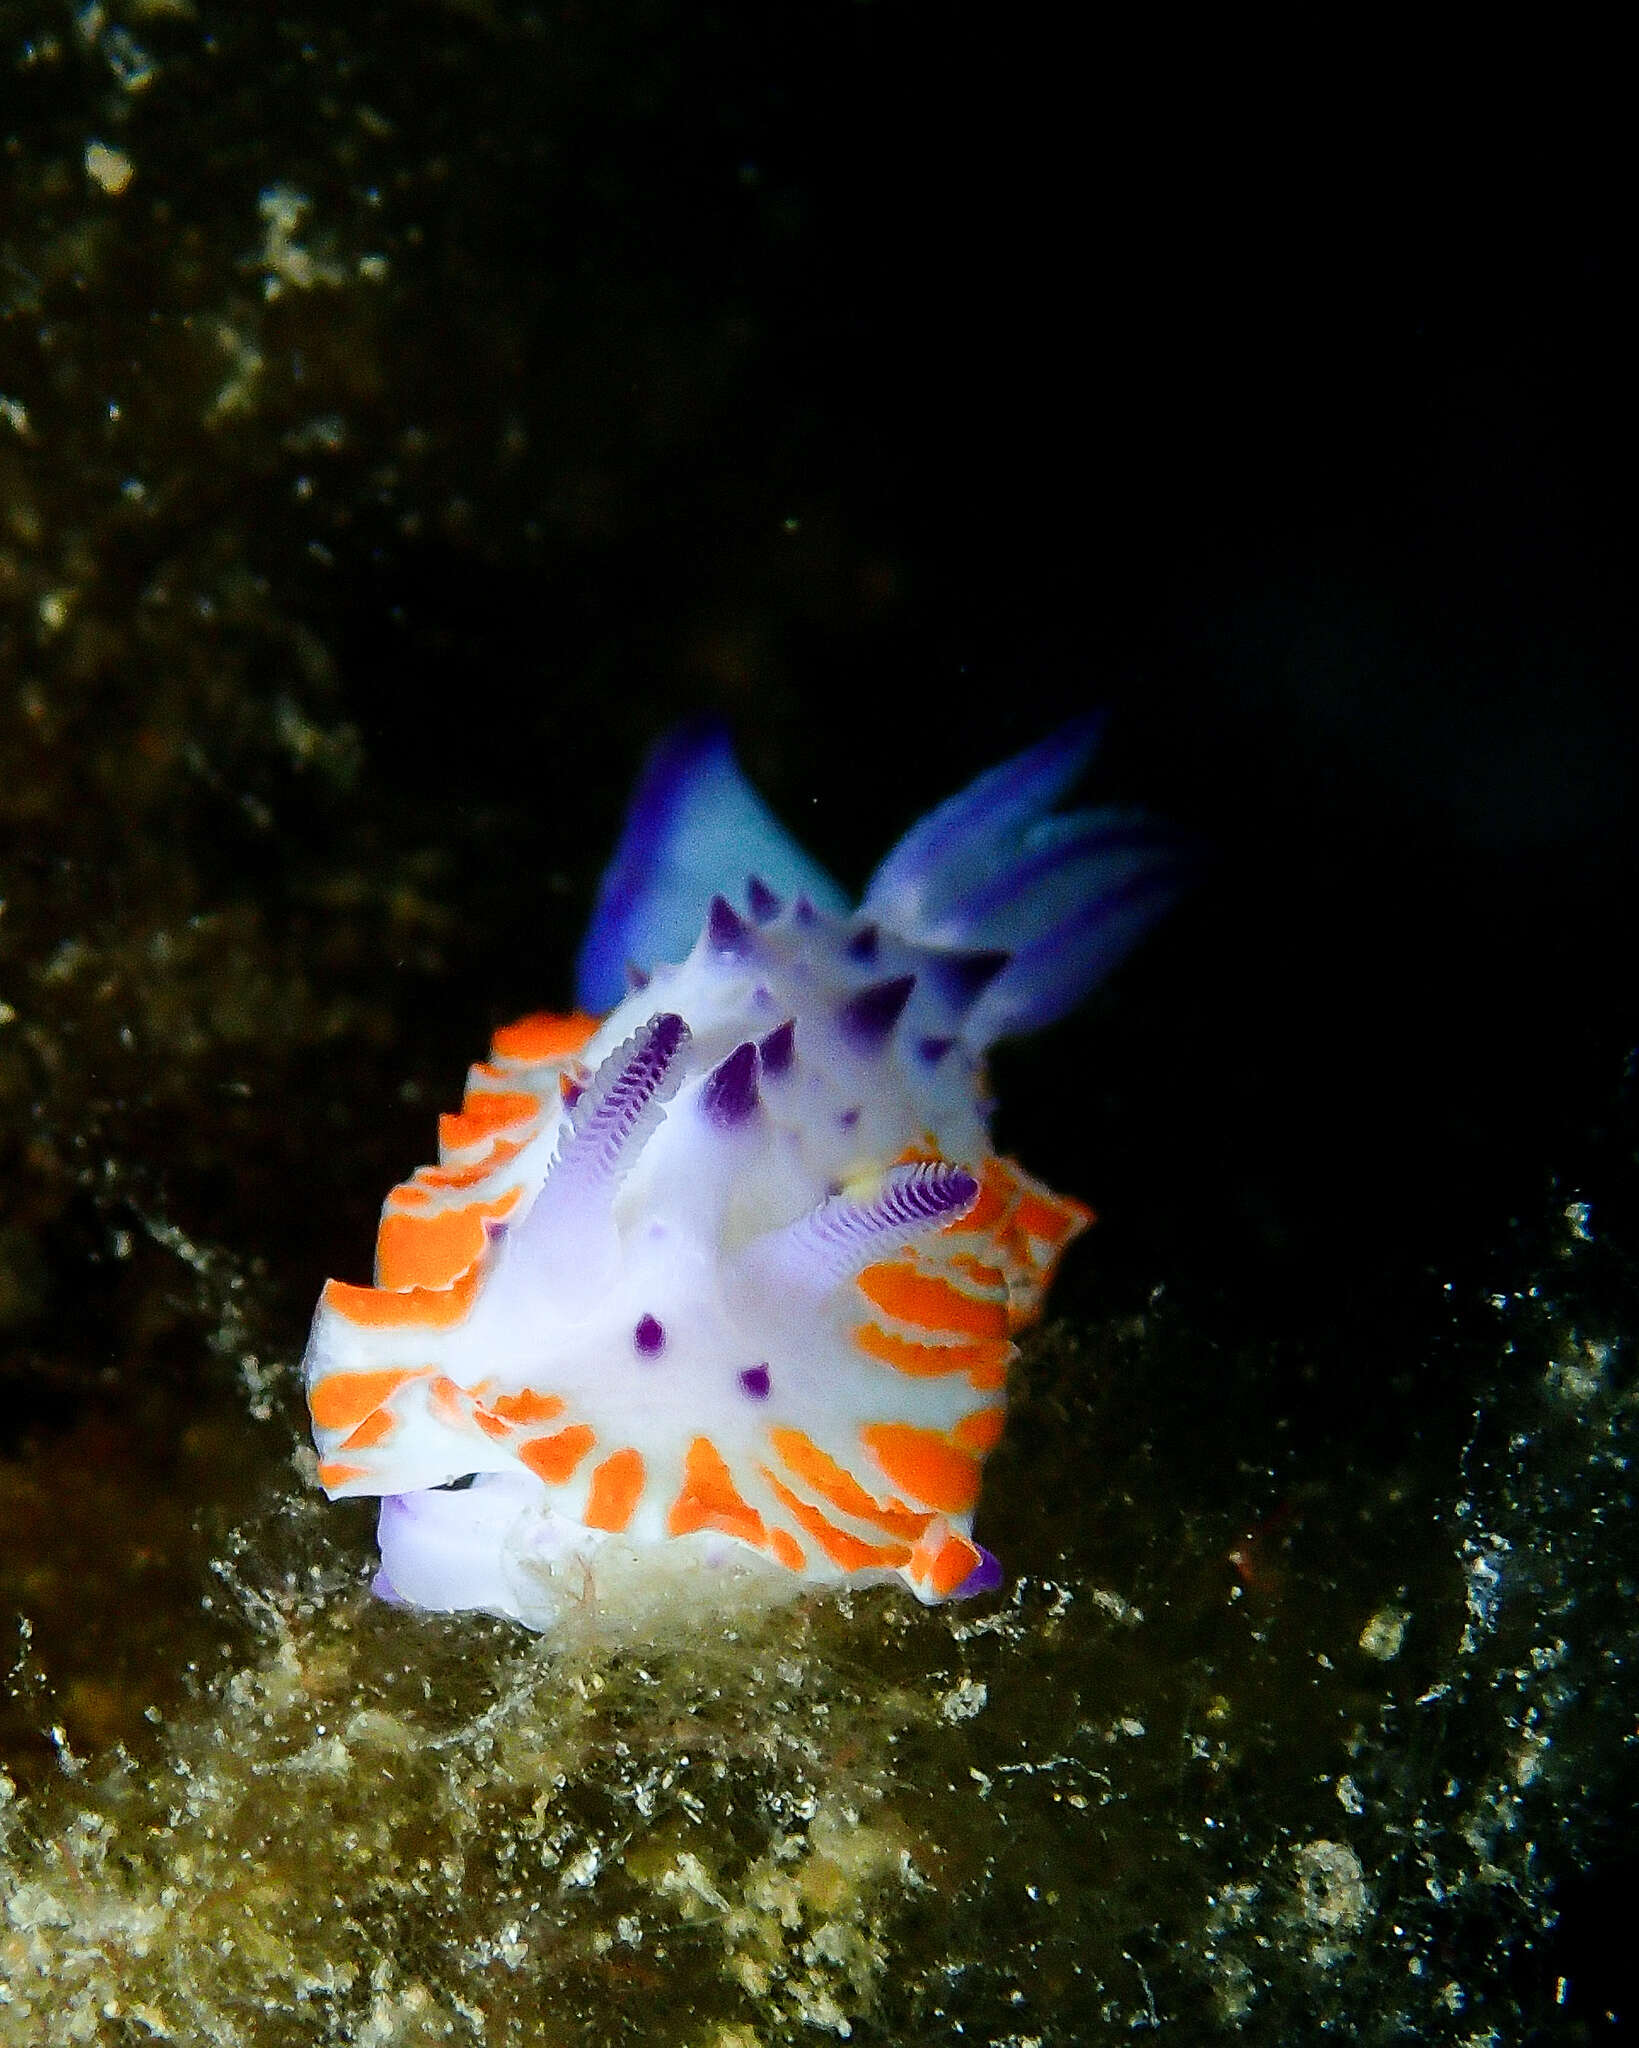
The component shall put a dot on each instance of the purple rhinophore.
(985, 1577)
(779, 1048)
(636, 977)
(912, 1198)
(729, 1096)
(494, 1228)
(654, 1046)
(960, 977)
(916, 1196)
(755, 1382)
(866, 1020)
(862, 946)
(933, 1050)
(726, 930)
(669, 1033)
(649, 1338)
(765, 905)
(842, 1233)
(617, 1109)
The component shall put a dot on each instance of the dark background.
(903, 386)
(1276, 401)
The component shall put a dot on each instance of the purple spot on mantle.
(765, 905)
(849, 1117)
(729, 1096)
(755, 1381)
(985, 1576)
(636, 977)
(862, 946)
(933, 1050)
(867, 1020)
(779, 1048)
(649, 1337)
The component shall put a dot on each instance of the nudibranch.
(721, 1266)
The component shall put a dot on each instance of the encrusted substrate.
(381, 1832)
(1189, 1794)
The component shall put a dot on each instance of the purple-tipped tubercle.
(649, 1337)
(862, 947)
(779, 1048)
(729, 1096)
(726, 930)
(765, 905)
(866, 1020)
(961, 977)
(754, 1380)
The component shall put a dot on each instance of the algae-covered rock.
(1155, 1788)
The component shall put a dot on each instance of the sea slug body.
(721, 1267)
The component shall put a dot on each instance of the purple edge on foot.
(985, 1577)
